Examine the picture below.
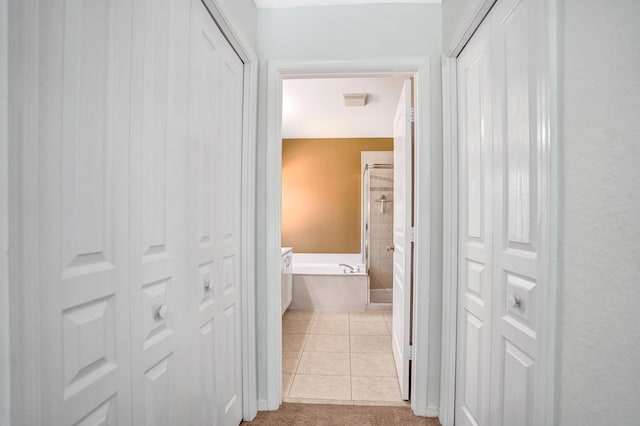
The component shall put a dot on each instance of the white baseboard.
(433, 411)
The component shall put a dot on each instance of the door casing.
(419, 69)
(450, 209)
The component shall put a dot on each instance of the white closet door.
(475, 231)
(215, 134)
(83, 204)
(157, 226)
(522, 209)
(507, 258)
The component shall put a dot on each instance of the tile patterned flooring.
(339, 358)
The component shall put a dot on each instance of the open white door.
(400, 333)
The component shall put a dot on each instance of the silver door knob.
(162, 311)
(390, 248)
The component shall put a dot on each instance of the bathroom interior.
(337, 237)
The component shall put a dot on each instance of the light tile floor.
(338, 357)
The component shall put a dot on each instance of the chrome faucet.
(351, 268)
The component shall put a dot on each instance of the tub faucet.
(351, 268)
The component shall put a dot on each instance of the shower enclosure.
(377, 241)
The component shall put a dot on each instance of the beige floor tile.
(287, 379)
(294, 326)
(326, 363)
(370, 344)
(366, 316)
(293, 342)
(298, 315)
(388, 316)
(329, 327)
(372, 365)
(321, 387)
(375, 389)
(331, 316)
(369, 328)
(327, 343)
(290, 361)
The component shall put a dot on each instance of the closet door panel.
(231, 360)
(475, 243)
(215, 135)
(205, 218)
(517, 227)
(157, 221)
(82, 212)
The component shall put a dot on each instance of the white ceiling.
(314, 108)
(304, 3)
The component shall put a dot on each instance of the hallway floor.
(338, 358)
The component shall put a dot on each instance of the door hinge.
(411, 234)
(410, 353)
(412, 114)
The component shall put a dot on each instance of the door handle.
(391, 248)
(161, 311)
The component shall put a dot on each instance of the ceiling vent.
(355, 99)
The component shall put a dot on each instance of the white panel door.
(504, 209)
(475, 232)
(215, 135)
(83, 203)
(519, 283)
(402, 242)
(157, 226)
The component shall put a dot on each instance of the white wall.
(4, 213)
(599, 329)
(360, 31)
(456, 15)
(243, 15)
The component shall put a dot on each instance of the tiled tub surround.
(381, 229)
(338, 357)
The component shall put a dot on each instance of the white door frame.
(450, 212)
(22, 142)
(419, 68)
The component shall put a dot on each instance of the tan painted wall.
(321, 186)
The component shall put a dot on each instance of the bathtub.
(321, 284)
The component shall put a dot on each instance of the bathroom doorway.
(415, 346)
(342, 341)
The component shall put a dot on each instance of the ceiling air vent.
(355, 99)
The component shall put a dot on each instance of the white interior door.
(475, 232)
(522, 202)
(215, 135)
(402, 205)
(157, 226)
(82, 226)
(503, 211)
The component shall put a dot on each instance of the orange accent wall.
(321, 186)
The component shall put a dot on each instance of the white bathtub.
(321, 284)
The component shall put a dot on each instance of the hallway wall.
(334, 32)
(243, 15)
(599, 266)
